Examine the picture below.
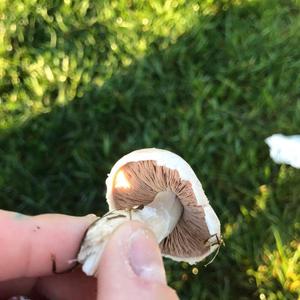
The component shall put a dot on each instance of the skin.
(28, 245)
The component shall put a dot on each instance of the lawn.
(84, 82)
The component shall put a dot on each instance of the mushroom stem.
(161, 215)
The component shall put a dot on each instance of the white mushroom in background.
(285, 149)
(160, 189)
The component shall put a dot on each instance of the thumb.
(131, 266)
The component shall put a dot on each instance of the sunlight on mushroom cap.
(121, 181)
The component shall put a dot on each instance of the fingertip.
(131, 266)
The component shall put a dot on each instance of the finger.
(16, 287)
(71, 286)
(28, 243)
(74, 285)
(131, 266)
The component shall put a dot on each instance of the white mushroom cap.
(162, 158)
(198, 216)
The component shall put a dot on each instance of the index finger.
(27, 244)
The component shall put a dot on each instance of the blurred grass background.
(84, 82)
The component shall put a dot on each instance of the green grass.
(84, 83)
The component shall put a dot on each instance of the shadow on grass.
(207, 98)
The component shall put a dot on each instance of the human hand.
(130, 268)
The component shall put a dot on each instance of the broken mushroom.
(160, 189)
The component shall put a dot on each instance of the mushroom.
(160, 189)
